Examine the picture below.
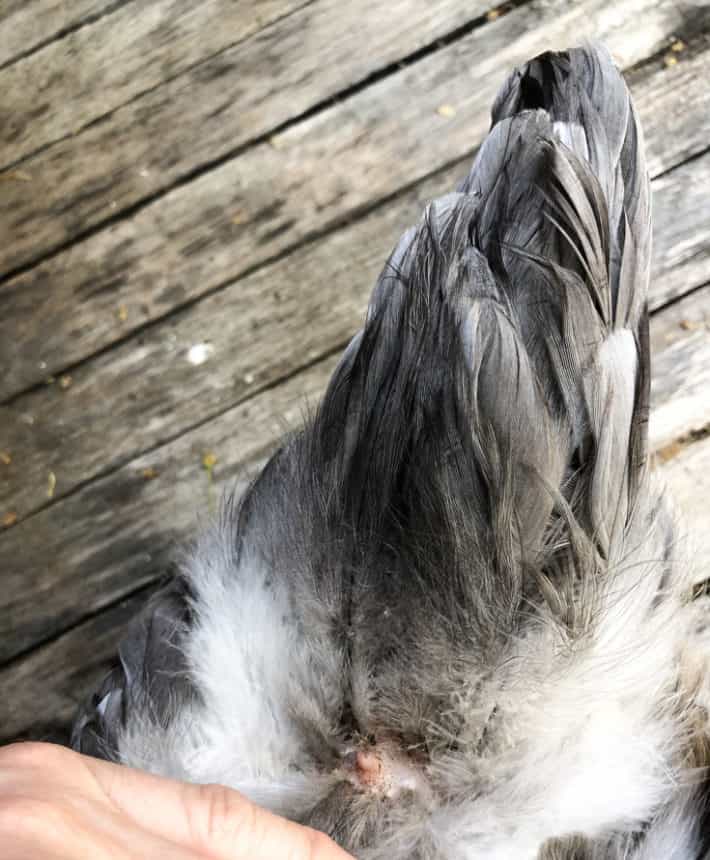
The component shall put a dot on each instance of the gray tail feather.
(589, 105)
(564, 138)
(538, 267)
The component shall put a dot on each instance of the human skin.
(56, 804)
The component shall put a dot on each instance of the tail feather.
(538, 269)
(592, 114)
(593, 191)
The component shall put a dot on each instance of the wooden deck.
(196, 200)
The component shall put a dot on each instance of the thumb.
(214, 820)
(226, 826)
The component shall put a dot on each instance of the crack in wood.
(338, 97)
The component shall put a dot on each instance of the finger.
(33, 826)
(227, 826)
(214, 820)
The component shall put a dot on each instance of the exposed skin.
(59, 805)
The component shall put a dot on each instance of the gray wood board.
(77, 80)
(269, 199)
(691, 313)
(681, 235)
(26, 25)
(680, 389)
(117, 533)
(41, 693)
(204, 116)
(214, 99)
(687, 476)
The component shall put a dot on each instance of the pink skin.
(368, 767)
(384, 769)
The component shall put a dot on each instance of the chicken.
(451, 618)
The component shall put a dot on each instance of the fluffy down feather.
(450, 619)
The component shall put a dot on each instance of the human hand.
(58, 805)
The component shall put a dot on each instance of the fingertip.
(229, 826)
(322, 847)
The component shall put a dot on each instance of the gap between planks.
(127, 265)
(221, 136)
(98, 87)
(450, 29)
(67, 19)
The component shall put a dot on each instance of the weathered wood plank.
(188, 242)
(150, 389)
(213, 107)
(135, 520)
(669, 102)
(117, 533)
(680, 388)
(691, 313)
(687, 475)
(26, 25)
(75, 81)
(681, 241)
(42, 690)
(223, 103)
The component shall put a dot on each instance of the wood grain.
(687, 475)
(26, 25)
(691, 313)
(210, 231)
(669, 102)
(681, 236)
(75, 81)
(118, 533)
(144, 144)
(680, 389)
(206, 114)
(41, 693)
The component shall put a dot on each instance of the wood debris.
(15, 176)
(209, 461)
(51, 485)
(668, 452)
(5, 458)
(492, 14)
(9, 519)
(446, 111)
(65, 381)
(670, 60)
(122, 313)
(672, 449)
(240, 217)
(149, 473)
(678, 46)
